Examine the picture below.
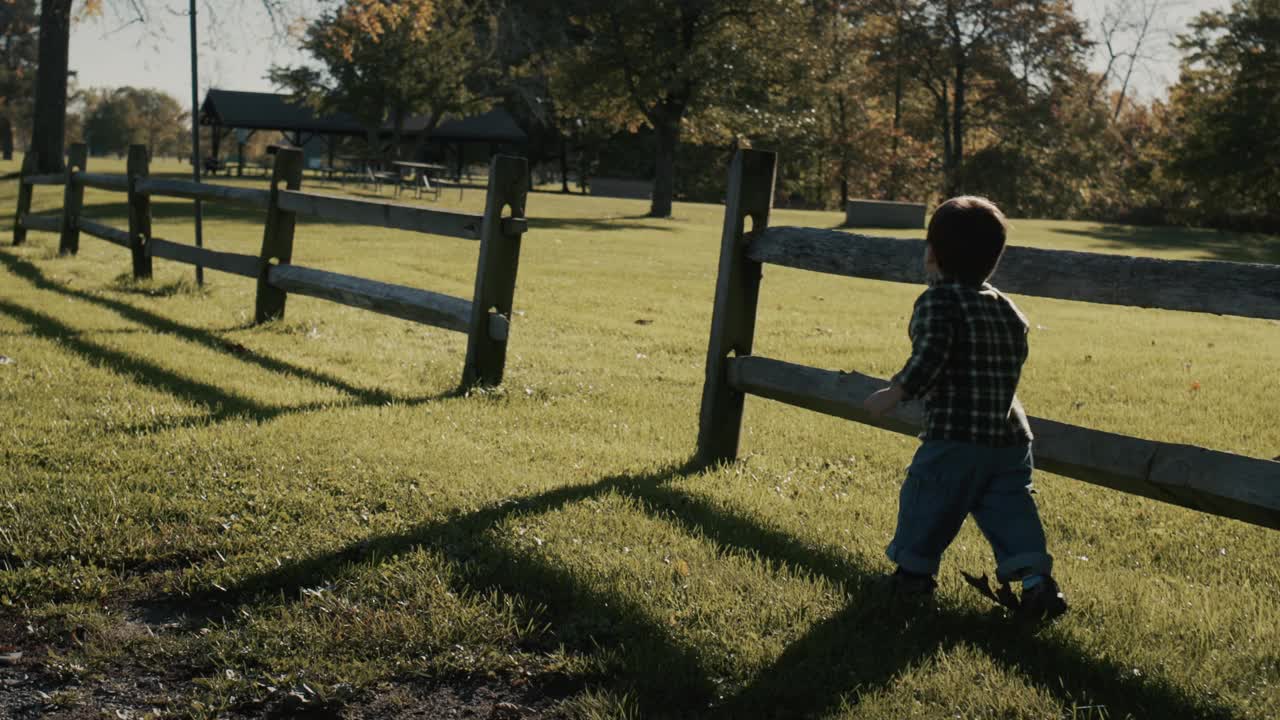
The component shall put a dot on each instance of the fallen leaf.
(1195, 385)
(682, 568)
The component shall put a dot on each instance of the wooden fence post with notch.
(24, 197)
(277, 238)
(496, 272)
(733, 320)
(139, 212)
(73, 200)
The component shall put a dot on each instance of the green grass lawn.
(200, 517)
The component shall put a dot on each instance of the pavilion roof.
(274, 111)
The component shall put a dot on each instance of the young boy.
(968, 342)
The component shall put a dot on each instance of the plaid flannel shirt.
(968, 345)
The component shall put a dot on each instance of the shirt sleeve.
(931, 332)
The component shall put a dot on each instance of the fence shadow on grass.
(860, 649)
(225, 404)
(602, 224)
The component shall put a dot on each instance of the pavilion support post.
(277, 238)
(496, 272)
(733, 320)
(72, 200)
(215, 151)
(139, 212)
(25, 191)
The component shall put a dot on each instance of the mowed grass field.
(199, 517)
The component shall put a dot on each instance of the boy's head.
(967, 236)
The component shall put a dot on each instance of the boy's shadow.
(858, 650)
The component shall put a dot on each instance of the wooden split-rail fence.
(1210, 481)
(485, 318)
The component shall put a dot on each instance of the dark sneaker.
(1042, 603)
(910, 588)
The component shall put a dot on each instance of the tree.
(529, 38)
(1226, 109)
(50, 112)
(1135, 20)
(107, 122)
(115, 119)
(17, 65)
(677, 66)
(383, 60)
(981, 61)
(50, 109)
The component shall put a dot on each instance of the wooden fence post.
(73, 200)
(495, 272)
(277, 238)
(733, 320)
(139, 211)
(24, 197)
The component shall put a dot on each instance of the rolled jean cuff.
(911, 562)
(1024, 565)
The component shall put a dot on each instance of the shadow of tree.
(1210, 244)
(858, 650)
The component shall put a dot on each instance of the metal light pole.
(195, 137)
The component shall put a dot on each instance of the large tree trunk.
(397, 132)
(420, 142)
(955, 182)
(50, 117)
(944, 115)
(897, 106)
(664, 174)
(6, 137)
(842, 115)
(564, 164)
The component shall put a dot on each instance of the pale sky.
(238, 44)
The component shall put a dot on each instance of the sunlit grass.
(299, 513)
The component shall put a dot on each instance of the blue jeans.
(946, 482)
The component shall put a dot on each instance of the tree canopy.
(1226, 109)
(893, 99)
(383, 61)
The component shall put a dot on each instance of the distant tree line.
(114, 119)
(892, 99)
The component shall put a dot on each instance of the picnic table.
(419, 176)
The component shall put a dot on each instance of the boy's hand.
(882, 401)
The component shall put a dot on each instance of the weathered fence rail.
(42, 223)
(246, 197)
(105, 232)
(1210, 481)
(422, 306)
(52, 179)
(486, 318)
(1178, 474)
(118, 183)
(231, 263)
(1210, 286)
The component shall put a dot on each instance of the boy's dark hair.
(967, 234)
